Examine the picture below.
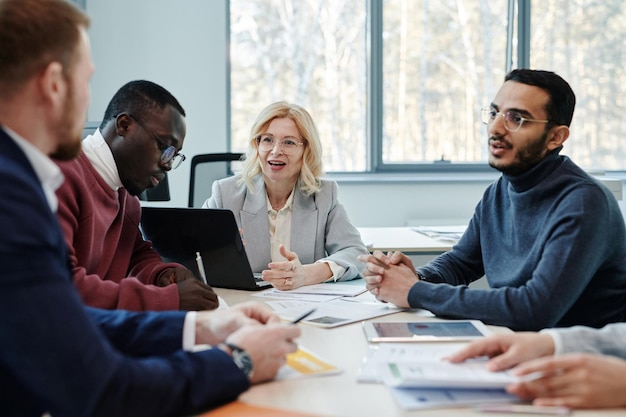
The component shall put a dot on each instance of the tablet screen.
(425, 331)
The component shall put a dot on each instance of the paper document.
(288, 295)
(305, 363)
(382, 353)
(443, 233)
(332, 313)
(442, 374)
(428, 358)
(420, 398)
(421, 365)
(344, 290)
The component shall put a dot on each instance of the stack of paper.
(335, 304)
(419, 377)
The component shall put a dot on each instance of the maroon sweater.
(113, 266)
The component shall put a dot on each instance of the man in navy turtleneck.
(549, 239)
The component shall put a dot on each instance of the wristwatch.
(241, 358)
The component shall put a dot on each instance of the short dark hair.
(560, 106)
(35, 33)
(141, 99)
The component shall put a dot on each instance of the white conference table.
(341, 395)
(402, 239)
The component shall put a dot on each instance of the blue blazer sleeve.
(55, 358)
(141, 334)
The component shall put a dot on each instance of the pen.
(305, 315)
(201, 267)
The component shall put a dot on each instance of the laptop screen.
(178, 234)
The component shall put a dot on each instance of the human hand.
(574, 381)
(507, 350)
(386, 280)
(213, 327)
(288, 274)
(195, 295)
(268, 346)
(173, 276)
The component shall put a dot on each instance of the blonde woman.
(296, 231)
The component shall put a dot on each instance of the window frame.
(375, 163)
(374, 68)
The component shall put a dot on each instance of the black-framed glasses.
(289, 145)
(169, 154)
(513, 120)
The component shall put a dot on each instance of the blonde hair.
(311, 159)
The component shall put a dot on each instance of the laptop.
(202, 238)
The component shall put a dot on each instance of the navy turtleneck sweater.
(551, 243)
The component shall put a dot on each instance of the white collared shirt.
(280, 232)
(48, 173)
(280, 228)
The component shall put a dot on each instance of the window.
(586, 48)
(397, 85)
(442, 61)
(312, 53)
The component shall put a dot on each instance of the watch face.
(241, 359)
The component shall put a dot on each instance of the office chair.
(205, 169)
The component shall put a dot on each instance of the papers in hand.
(422, 366)
(442, 374)
(419, 378)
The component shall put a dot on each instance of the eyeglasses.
(513, 120)
(288, 145)
(169, 154)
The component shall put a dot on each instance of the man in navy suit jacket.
(58, 356)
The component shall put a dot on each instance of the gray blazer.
(320, 229)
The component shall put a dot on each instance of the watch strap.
(241, 358)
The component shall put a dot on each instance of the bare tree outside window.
(312, 53)
(584, 41)
(441, 62)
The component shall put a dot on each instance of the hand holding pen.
(303, 316)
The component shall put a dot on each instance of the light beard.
(68, 131)
(525, 158)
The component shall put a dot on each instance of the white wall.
(182, 45)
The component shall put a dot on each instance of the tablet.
(427, 331)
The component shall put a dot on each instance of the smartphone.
(426, 331)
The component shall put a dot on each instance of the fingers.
(545, 365)
(281, 276)
(258, 312)
(285, 275)
(290, 256)
(267, 347)
(485, 347)
(376, 258)
(194, 295)
(398, 258)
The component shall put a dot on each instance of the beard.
(68, 131)
(525, 158)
